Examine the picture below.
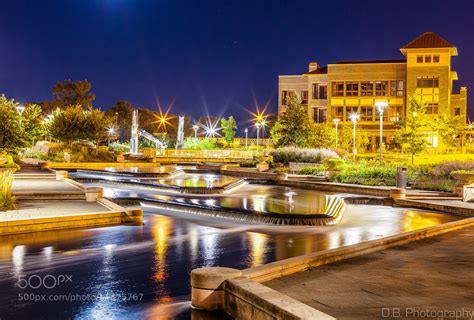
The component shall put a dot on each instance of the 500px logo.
(48, 281)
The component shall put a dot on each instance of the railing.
(202, 154)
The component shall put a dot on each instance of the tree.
(96, 127)
(323, 135)
(12, 136)
(294, 127)
(449, 127)
(69, 93)
(68, 125)
(412, 129)
(228, 128)
(32, 123)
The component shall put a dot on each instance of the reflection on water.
(198, 181)
(160, 169)
(153, 262)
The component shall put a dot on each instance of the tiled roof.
(371, 61)
(323, 70)
(428, 40)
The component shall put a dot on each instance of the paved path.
(43, 185)
(433, 274)
(46, 209)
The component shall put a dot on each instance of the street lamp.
(258, 125)
(195, 128)
(246, 138)
(336, 123)
(381, 105)
(20, 108)
(111, 133)
(354, 117)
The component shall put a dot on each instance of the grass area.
(422, 159)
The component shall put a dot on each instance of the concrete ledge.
(95, 165)
(337, 187)
(285, 267)
(246, 299)
(426, 204)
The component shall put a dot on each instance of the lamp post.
(381, 105)
(111, 132)
(20, 109)
(354, 117)
(258, 124)
(246, 138)
(195, 128)
(336, 123)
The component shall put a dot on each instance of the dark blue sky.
(202, 54)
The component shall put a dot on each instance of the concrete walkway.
(415, 281)
(43, 185)
(46, 209)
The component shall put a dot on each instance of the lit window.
(381, 88)
(395, 113)
(396, 88)
(352, 89)
(304, 97)
(435, 58)
(338, 89)
(338, 112)
(431, 108)
(366, 113)
(284, 97)
(427, 82)
(351, 110)
(366, 88)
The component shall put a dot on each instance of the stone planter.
(120, 158)
(398, 193)
(263, 166)
(93, 194)
(330, 173)
(462, 179)
(61, 175)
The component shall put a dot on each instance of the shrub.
(118, 147)
(313, 170)
(367, 173)
(200, 144)
(334, 164)
(249, 163)
(444, 169)
(293, 154)
(7, 200)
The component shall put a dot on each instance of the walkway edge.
(289, 266)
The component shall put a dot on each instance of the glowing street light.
(111, 132)
(336, 123)
(246, 138)
(381, 106)
(20, 109)
(195, 128)
(354, 118)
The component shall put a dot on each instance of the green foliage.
(313, 170)
(68, 125)
(294, 127)
(119, 147)
(12, 137)
(69, 93)
(334, 164)
(7, 200)
(291, 154)
(367, 173)
(96, 126)
(228, 128)
(6, 161)
(411, 129)
(249, 163)
(73, 123)
(449, 127)
(32, 123)
(323, 135)
(200, 144)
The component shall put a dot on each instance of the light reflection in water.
(258, 245)
(18, 256)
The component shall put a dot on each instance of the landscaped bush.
(7, 200)
(444, 169)
(313, 170)
(200, 144)
(334, 164)
(293, 154)
(119, 147)
(249, 163)
(367, 173)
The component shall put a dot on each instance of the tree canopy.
(73, 93)
(12, 136)
(228, 128)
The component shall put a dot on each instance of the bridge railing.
(202, 154)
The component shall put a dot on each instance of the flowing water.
(140, 272)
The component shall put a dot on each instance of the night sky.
(220, 56)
